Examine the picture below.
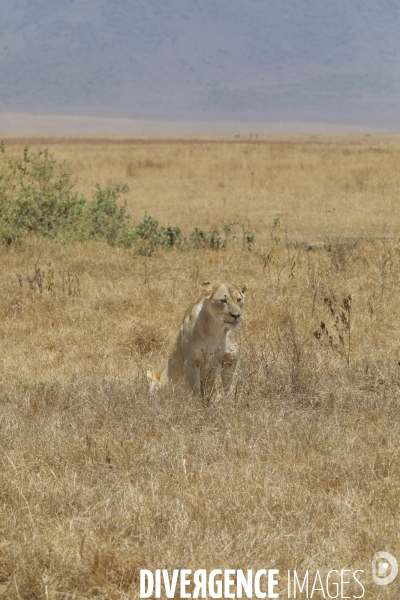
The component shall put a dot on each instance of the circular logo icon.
(384, 568)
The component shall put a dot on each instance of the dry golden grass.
(298, 469)
(325, 186)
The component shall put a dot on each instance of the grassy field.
(299, 468)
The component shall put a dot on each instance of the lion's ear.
(242, 287)
(207, 287)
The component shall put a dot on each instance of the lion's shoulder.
(194, 309)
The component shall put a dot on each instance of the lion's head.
(224, 302)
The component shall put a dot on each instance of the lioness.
(206, 340)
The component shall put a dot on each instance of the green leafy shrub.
(150, 236)
(213, 238)
(37, 197)
(198, 238)
(105, 220)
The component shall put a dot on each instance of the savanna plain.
(299, 466)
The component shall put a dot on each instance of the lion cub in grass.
(206, 340)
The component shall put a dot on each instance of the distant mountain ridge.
(262, 60)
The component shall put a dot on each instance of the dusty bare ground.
(299, 468)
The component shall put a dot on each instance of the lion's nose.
(235, 316)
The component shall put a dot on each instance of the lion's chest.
(199, 343)
(209, 351)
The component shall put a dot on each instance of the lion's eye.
(239, 299)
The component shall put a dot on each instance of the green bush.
(37, 197)
(199, 238)
(105, 220)
(150, 236)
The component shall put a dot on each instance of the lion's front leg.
(208, 372)
(228, 358)
(228, 365)
(192, 375)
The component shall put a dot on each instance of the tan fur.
(206, 340)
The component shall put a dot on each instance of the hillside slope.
(210, 59)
